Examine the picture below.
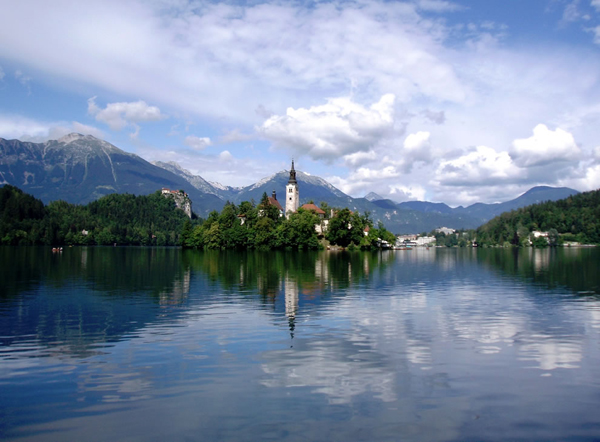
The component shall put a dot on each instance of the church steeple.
(292, 194)
(292, 179)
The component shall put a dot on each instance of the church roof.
(313, 208)
(275, 203)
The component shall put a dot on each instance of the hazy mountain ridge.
(79, 169)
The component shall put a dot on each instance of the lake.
(160, 344)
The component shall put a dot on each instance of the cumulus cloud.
(482, 166)
(339, 127)
(544, 147)
(360, 158)
(119, 115)
(197, 143)
(417, 147)
(225, 156)
(596, 4)
(402, 193)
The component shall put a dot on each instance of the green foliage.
(260, 227)
(299, 232)
(572, 219)
(122, 219)
(345, 228)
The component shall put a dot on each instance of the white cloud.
(545, 147)
(339, 127)
(198, 143)
(571, 12)
(438, 6)
(436, 117)
(118, 115)
(222, 60)
(219, 61)
(417, 142)
(86, 130)
(360, 158)
(25, 80)
(596, 32)
(401, 193)
(417, 147)
(482, 166)
(225, 156)
(27, 129)
(234, 136)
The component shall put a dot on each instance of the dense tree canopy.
(123, 219)
(126, 219)
(576, 218)
(263, 227)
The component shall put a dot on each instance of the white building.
(292, 194)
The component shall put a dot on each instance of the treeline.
(123, 219)
(250, 226)
(576, 218)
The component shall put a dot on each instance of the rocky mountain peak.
(372, 196)
(69, 138)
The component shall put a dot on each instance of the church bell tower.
(292, 195)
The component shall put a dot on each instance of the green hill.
(123, 219)
(575, 218)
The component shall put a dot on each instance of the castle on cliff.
(182, 201)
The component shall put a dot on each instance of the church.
(292, 194)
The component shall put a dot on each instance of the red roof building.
(313, 208)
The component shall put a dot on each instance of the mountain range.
(81, 168)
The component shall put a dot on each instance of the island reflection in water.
(154, 344)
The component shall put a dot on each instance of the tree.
(299, 230)
(345, 228)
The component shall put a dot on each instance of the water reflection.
(410, 345)
(71, 301)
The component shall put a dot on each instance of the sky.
(446, 101)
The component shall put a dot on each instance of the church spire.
(292, 197)
(292, 179)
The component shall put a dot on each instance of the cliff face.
(182, 200)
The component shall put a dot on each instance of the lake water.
(146, 344)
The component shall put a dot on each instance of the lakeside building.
(321, 228)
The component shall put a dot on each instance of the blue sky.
(452, 101)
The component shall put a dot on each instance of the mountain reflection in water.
(439, 344)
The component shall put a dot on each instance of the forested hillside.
(576, 218)
(123, 219)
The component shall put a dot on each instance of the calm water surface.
(107, 344)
